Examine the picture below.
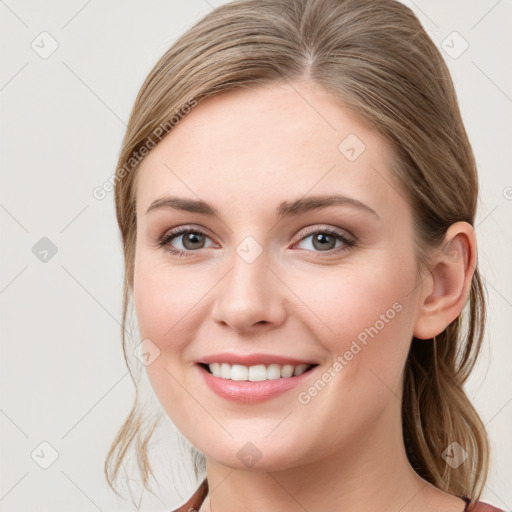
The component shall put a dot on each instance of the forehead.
(250, 148)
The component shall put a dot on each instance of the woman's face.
(261, 277)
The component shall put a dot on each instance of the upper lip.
(252, 359)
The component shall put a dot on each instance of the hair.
(377, 60)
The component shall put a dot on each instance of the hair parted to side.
(375, 57)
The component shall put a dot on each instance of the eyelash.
(166, 239)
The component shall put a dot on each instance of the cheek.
(167, 305)
(365, 327)
(164, 297)
(350, 301)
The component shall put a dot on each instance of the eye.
(190, 240)
(325, 240)
(322, 240)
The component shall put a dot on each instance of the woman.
(301, 257)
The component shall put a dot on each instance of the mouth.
(256, 373)
(257, 383)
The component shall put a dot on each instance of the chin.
(258, 455)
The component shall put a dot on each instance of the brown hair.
(375, 57)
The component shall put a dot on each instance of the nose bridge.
(249, 293)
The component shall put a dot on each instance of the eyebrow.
(285, 209)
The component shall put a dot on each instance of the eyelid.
(310, 230)
(321, 228)
(171, 234)
(340, 234)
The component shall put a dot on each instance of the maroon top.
(479, 506)
(195, 502)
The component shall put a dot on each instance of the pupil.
(322, 239)
(191, 239)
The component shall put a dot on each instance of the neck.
(369, 473)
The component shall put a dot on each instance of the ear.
(445, 290)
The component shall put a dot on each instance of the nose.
(250, 296)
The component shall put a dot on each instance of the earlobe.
(446, 289)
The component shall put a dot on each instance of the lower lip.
(252, 392)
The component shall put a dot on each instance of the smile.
(253, 384)
(256, 373)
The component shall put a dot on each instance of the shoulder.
(480, 506)
(194, 503)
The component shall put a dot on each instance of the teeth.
(256, 373)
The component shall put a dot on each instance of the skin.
(245, 152)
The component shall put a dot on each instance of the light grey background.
(62, 376)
